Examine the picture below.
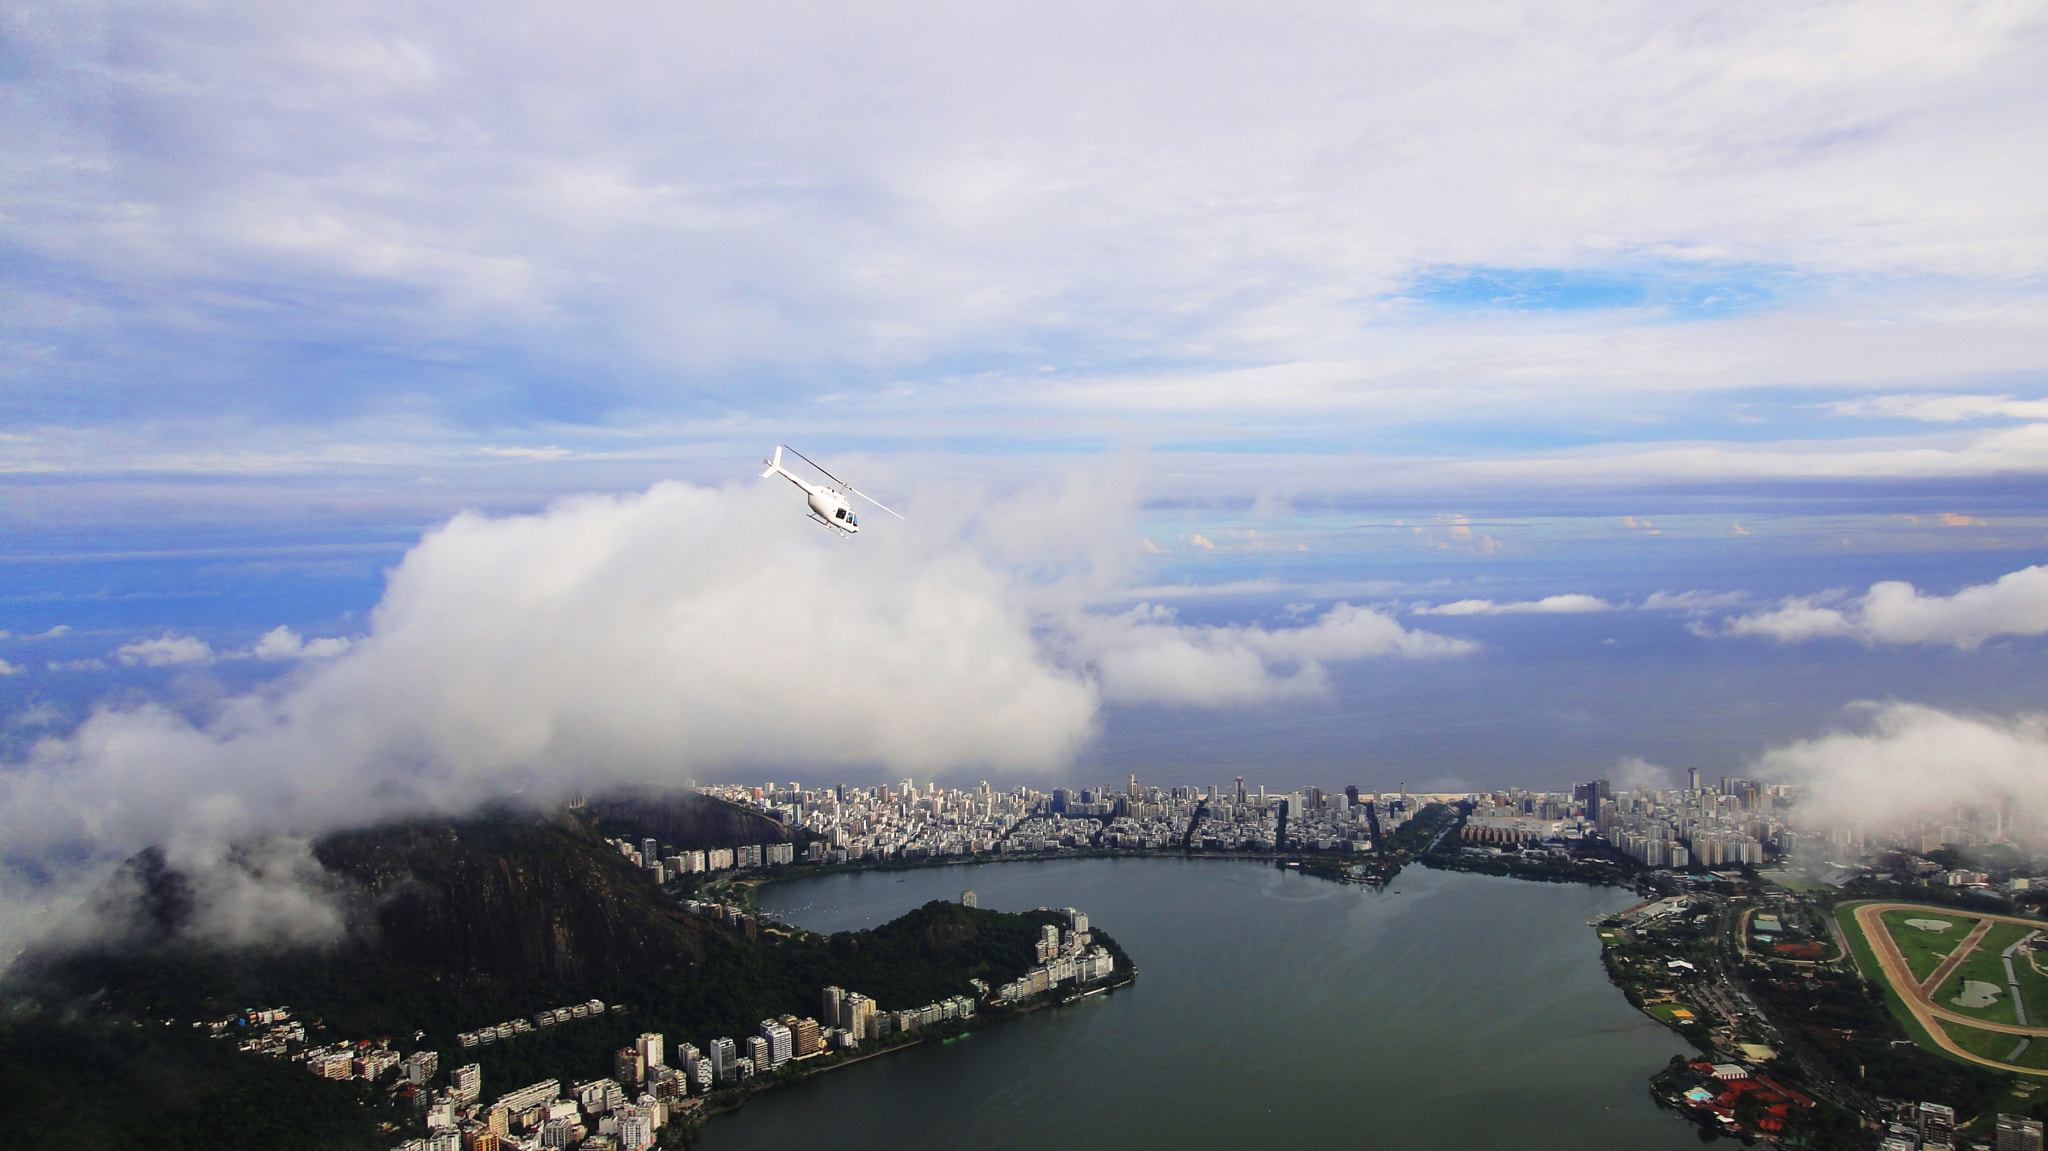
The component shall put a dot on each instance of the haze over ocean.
(1503, 395)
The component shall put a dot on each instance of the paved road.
(1729, 994)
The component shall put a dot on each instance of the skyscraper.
(653, 1050)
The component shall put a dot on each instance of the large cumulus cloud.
(1894, 612)
(681, 632)
(1905, 763)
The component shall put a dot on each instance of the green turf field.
(1997, 1045)
(1665, 1012)
(1984, 966)
(1866, 959)
(2033, 985)
(1924, 950)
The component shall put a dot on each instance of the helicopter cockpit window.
(841, 513)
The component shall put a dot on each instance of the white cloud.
(1632, 772)
(1894, 612)
(1944, 409)
(8, 668)
(1693, 602)
(675, 633)
(1904, 761)
(87, 664)
(283, 643)
(908, 186)
(2009, 451)
(1555, 604)
(166, 650)
(1145, 656)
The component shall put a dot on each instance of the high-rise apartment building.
(805, 1035)
(855, 1011)
(781, 1043)
(466, 1083)
(627, 1066)
(2018, 1133)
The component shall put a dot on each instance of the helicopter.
(829, 505)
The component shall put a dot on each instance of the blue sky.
(1304, 306)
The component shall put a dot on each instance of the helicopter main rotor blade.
(814, 463)
(876, 502)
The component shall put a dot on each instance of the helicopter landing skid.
(841, 532)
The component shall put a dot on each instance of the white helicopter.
(829, 505)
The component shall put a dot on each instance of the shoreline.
(702, 1113)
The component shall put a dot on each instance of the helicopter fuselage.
(831, 509)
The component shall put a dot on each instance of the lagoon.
(1447, 1011)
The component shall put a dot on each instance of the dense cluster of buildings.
(662, 863)
(907, 822)
(555, 1017)
(600, 1115)
(1728, 825)
(649, 1081)
(1932, 1127)
(1070, 956)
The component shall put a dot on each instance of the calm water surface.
(1463, 1012)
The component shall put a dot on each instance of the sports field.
(1925, 947)
(1926, 958)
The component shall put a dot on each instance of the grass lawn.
(2034, 986)
(1671, 1013)
(1996, 1045)
(1984, 966)
(1924, 950)
(1866, 959)
(2021, 1099)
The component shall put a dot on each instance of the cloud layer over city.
(681, 633)
(381, 388)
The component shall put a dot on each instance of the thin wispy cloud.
(1572, 604)
(1944, 409)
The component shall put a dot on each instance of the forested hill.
(687, 819)
(455, 925)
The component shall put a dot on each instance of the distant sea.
(1447, 1011)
